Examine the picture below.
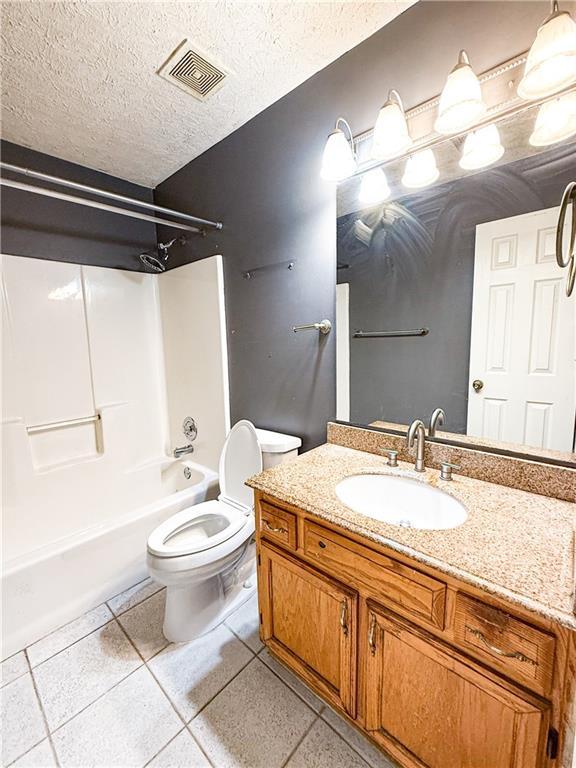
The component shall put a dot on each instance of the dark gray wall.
(417, 272)
(263, 182)
(45, 228)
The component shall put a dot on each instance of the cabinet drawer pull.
(274, 530)
(344, 616)
(372, 634)
(498, 651)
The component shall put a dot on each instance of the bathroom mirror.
(449, 296)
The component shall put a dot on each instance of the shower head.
(157, 262)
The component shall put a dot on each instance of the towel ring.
(569, 197)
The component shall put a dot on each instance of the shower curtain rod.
(203, 223)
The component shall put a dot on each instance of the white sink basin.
(401, 501)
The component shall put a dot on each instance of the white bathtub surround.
(55, 584)
(195, 354)
(212, 703)
(79, 501)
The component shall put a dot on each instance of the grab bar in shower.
(389, 334)
(62, 424)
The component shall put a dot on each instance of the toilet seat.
(211, 523)
(197, 529)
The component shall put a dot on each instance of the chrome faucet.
(417, 432)
(436, 420)
(183, 451)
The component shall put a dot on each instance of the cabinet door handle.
(272, 529)
(344, 616)
(372, 634)
(518, 655)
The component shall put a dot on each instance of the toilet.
(206, 554)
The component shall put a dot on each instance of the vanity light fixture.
(374, 187)
(481, 148)
(461, 103)
(555, 121)
(551, 62)
(421, 170)
(391, 137)
(339, 159)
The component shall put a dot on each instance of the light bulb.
(391, 137)
(461, 103)
(338, 161)
(551, 62)
(555, 121)
(481, 148)
(374, 187)
(421, 170)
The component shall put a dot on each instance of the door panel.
(523, 336)
(310, 622)
(443, 709)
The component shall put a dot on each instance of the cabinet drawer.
(278, 525)
(410, 592)
(507, 643)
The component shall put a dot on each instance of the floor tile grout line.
(66, 647)
(13, 680)
(200, 747)
(140, 602)
(352, 747)
(300, 740)
(155, 755)
(322, 704)
(57, 629)
(42, 712)
(239, 638)
(146, 578)
(100, 696)
(203, 707)
(113, 617)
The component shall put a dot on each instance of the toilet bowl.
(205, 555)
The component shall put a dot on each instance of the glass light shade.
(481, 148)
(338, 161)
(391, 137)
(461, 103)
(374, 187)
(556, 120)
(421, 170)
(551, 63)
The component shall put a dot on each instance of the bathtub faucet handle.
(182, 451)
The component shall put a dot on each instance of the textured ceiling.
(79, 78)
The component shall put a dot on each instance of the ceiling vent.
(192, 72)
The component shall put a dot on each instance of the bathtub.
(53, 585)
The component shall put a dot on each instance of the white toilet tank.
(276, 447)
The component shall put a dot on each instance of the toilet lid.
(240, 459)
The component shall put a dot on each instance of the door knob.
(477, 385)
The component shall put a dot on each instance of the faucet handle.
(446, 470)
(392, 458)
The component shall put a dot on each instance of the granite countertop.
(514, 544)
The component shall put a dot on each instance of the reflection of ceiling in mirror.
(514, 134)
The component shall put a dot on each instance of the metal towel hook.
(568, 198)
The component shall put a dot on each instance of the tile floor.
(108, 690)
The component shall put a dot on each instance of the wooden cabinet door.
(310, 622)
(442, 710)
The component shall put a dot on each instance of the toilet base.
(195, 609)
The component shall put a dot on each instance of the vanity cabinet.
(310, 622)
(440, 708)
(437, 673)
